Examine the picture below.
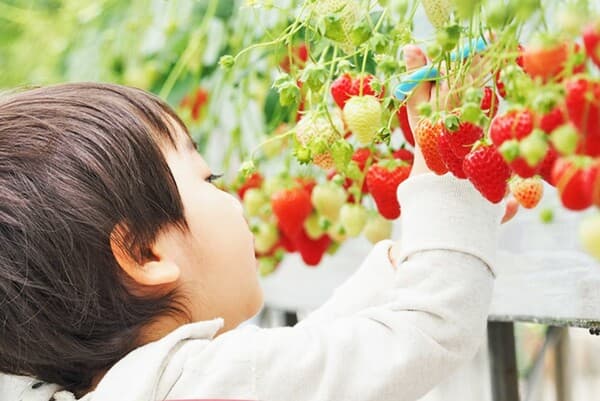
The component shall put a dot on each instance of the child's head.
(110, 232)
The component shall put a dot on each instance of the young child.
(123, 271)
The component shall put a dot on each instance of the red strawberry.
(553, 119)
(593, 182)
(405, 125)
(547, 164)
(591, 40)
(545, 62)
(583, 105)
(291, 206)
(523, 169)
(516, 124)
(341, 89)
(361, 156)
(254, 180)
(366, 87)
(489, 102)
(383, 179)
(286, 242)
(195, 102)
(311, 250)
(463, 138)
(528, 192)
(427, 136)
(308, 183)
(488, 172)
(299, 58)
(453, 163)
(570, 180)
(404, 155)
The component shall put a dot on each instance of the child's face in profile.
(215, 257)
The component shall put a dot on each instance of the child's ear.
(154, 270)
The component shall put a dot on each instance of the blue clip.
(429, 72)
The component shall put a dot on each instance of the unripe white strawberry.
(353, 218)
(363, 116)
(377, 228)
(316, 127)
(328, 199)
(438, 12)
(265, 237)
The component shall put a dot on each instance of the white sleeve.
(387, 334)
(393, 334)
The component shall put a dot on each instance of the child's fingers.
(415, 58)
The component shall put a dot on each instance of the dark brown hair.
(76, 160)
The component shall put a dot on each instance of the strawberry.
(308, 183)
(265, 238)
(254, 180)
(452, 162)
(353, 218)
(346, 14)
(528, 192)
(405, 125)
(383, 179)
(286, 243)
(254, 201)
(591, 40)
(404, 155)
(291, 207)
(361, 157)
(489, 102)
(311, 250)
(553, 119)
(592, 180)
(366, 87)
(499, 84)
(195, 102)
(545, 170)
(545, 61)
(427, 136)
(589, 234)
(583, 106)
(315, 129)
(572, 184)
(328, 198)
(488, 172)
(299, 58)
(438, 12)
(516, 124)
(462, 139)
(363, 116)
(523, 169)
(377, 228)
(341, 89)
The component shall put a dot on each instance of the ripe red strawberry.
(591, 40)
(523, 169)
(254, 180)
(592, 180)
(583, 106)
(427, 136)
(489, 102)
(311, 250)
(361, 157)
(286, 243)
(405, 125)
(404, 155)
(571, 182)
(545, 170)
(291, 207)
(528, 192)
(453, 163)
(516, 124)
(463, 138)
(488, 172)
(341, 89)
(299, 58)
(308, 183)
(195, 102)
(545, 62)
(366, 87)
(553, 119)
(383, 179)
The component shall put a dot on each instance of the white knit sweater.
(386, 334)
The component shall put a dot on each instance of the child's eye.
(213, 177)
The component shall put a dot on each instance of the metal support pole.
(503, 361)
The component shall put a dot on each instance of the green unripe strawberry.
(353, 218)
(363, 116)
(254, 200)
(313, 227)
(377, 228)
(565, 139)
(265, 237)
(266, 265)
(328, 199)
(337, 233)
(534, 148)
(437, 11)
